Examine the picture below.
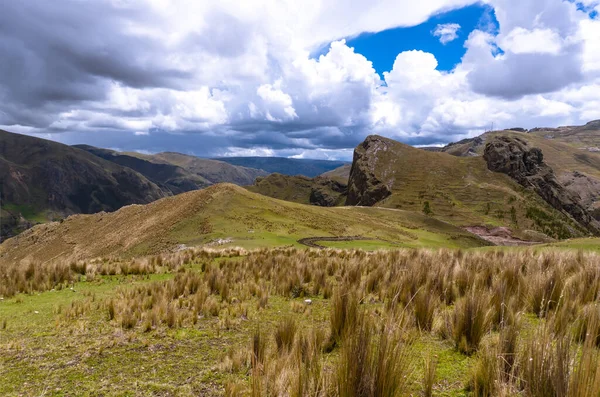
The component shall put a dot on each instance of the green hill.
(223, 213)
(340, 174)
(301, 189)
(460, 190)
(564, 149)
(43, 180)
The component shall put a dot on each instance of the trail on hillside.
(312, 241)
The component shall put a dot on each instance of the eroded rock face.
(365, 187)
(526, 165)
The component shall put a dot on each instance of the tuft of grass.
(470, 321)
(285, 334)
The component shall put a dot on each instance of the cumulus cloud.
(227, 77)
(447, 32)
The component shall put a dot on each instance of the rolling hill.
(214, 171)
(320, 190)
(460, 190)
(179, 172)
(225, 212)
(43, 180)
(170, 177)
(286, 166)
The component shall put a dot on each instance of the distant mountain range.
(286, 166)
(42, 180)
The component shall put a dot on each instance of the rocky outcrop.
(365, 186)
(513, 157)
(326, 192)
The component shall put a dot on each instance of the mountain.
(460, 190)
(214, 171)
(569, 151)
(43, 180)
(178, 172)
(170, 177)
(320, 191)
(286, 166)
(226, 212)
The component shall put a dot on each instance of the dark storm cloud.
(518, 75)
(68, 51)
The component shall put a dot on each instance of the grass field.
(221, 213)
(236, 322)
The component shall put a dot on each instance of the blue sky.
(382, 48)
(216, 78)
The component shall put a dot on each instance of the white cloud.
(447, 32)
(239, 74)
(523, 41)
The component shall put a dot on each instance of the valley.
(409, 272)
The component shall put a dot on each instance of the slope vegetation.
(460, 190)
(42, 180)
(170, 177)
(178, 172)
(564, 149)
(221, 212)
(301, 189)
(340, 174)
(214, 171)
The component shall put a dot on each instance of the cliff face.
(365, 185)
(513, 157)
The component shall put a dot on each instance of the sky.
(306, 79)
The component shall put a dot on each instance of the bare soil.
(499, 236)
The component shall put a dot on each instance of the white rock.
(308, 301)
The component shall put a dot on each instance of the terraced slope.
(226, 212)
(576, 167)
(460, 190)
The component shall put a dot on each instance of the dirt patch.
(312, 241)
(498, 236)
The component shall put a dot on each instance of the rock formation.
(364, 187)
(513, 157)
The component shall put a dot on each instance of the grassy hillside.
(212, 170)
(460, 190)
(286, 166)
(578, 169)
(301, 189)
(225, 212)
(586, 137)
(168, 176)
(340, 174)
(43, 180)
(179, 172)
